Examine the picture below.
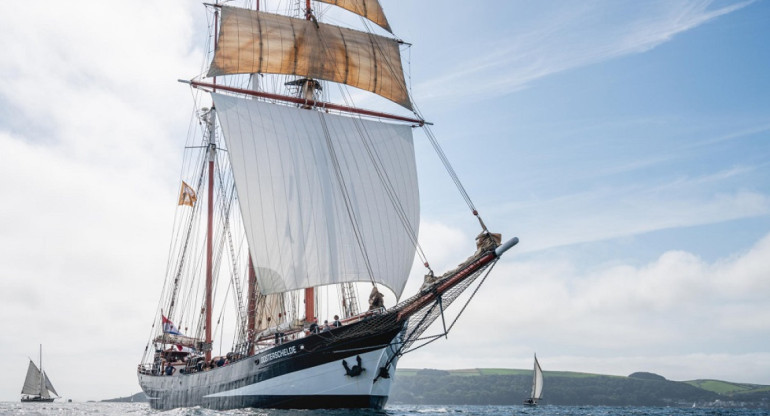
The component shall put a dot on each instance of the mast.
(309, 292)
(210, 207)
(42, 381)
(251, 304)
(209, 229)
(251, 307)
(534, 379)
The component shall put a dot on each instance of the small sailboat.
(537, 385)
(37, 386)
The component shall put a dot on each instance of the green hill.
(727, 388)
(498, 386)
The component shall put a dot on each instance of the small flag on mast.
(168, 326)
(187, 195)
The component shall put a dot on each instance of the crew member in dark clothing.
(313, 327)
(376, 300)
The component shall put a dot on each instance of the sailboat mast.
(534, 379)
(42, 374)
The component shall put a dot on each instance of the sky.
(625, 143)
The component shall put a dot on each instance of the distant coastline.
(509, 386)
(497, 386)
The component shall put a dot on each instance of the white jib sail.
(295, 213)
(48, 385)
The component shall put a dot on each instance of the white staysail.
(289, 164)
(48, 384)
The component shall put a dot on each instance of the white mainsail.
(32, 384)
(288, 164)
(537, 382)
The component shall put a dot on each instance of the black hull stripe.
(292, 402)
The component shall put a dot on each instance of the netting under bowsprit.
(413, 316)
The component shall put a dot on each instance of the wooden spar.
(319, 104)
(216, 30)
(442, 287)
(309, 292)
(210, 220)
(251, 307)
(209, 245)
(251, 302)
(309, 305)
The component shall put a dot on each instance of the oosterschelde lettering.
(278, 354)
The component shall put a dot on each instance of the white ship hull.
(286, 376)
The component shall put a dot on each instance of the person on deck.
(376, 299)
(336, 323)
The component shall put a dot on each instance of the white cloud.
(678, 316)
(90, 176)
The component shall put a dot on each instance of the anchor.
(354, 371)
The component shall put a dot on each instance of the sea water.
(140, 409)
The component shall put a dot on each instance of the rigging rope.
(377, 163)
(226, 205)
(434, 142)
(391, 67)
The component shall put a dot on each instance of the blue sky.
(625, 143)
(639, 132)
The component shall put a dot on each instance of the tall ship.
(37, 386)
(297, 218)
